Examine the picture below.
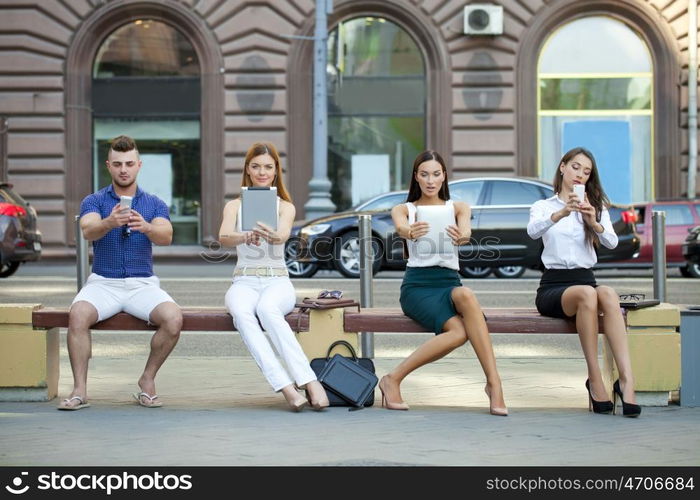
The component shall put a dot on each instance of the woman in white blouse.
(571, 229)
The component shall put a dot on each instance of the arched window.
(146, 84)
(595, 79)
(376, 108)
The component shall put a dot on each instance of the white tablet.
(258, 205)
(438, 240)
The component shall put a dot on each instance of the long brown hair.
(414, 191)
(594, 189)
(266, 148)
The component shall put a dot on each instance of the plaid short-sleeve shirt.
(116, 254)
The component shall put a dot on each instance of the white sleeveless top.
(415, 260)
(264, 255)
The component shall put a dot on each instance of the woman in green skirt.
(432, 292)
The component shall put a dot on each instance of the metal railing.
(82, 263)
(658, 230)
(366, 285)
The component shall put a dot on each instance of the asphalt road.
(205, 284)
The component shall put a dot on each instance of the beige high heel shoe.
(320, 403)
(499, 412)
(388, 404)
(296, 401)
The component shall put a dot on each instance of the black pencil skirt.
(554, 283)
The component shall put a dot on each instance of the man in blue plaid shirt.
(122, 276)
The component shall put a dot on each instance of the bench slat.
(498, 320)
(207, 320)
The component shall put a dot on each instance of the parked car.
(691, 252)
(499, 243)
(681, 217)
(20, 240)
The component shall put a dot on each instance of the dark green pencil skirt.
(426, 295)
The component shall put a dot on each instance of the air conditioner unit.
(483, 19)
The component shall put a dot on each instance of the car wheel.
(474, 272)
(297, 269)
(511, 272)
(692, 270)
(8, 269)
(346, 255)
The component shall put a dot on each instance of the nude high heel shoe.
(388, 404)
(499, 412)
(319, 403)
(296, 401)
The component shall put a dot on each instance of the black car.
(499, 242)
(691, 251)
(20, 241)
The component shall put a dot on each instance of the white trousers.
(269, 299)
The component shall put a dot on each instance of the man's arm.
(95, 227)
(159, 230)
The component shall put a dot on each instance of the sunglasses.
(330, 294)
(631, 296)
(126, 231)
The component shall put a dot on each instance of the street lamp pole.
(319, 202)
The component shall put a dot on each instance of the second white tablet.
(438, 240)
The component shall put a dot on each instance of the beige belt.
(261, 272)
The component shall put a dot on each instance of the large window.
(376, 109)
(595, 80)
(146, 84)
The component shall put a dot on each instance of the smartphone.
(125, 205)
(579, 190)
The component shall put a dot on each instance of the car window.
(11, 197)
(384, 203)
(467, 191)
(697, 209)
(514, 193)
(676, 215)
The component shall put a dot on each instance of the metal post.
(690, 352)
(3, 149)
(692, 97)
(81, 255)
(658, 228)
(398, 165)
(366, 287)
(320, 203)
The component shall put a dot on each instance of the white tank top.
(264, 255)
(415, 260)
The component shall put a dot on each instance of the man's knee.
(81, 317)
(168, 317)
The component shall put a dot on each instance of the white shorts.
(136, 296)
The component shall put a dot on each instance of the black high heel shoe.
(628, 409)
(598, 406)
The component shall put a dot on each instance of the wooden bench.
(317, 330)
(499, 320)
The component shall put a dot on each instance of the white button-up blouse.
(565, 244)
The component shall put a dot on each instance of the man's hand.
(118, 217)
(138, 223)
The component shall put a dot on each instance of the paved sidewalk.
(220, 411)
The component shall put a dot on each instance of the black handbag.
(348, 381)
